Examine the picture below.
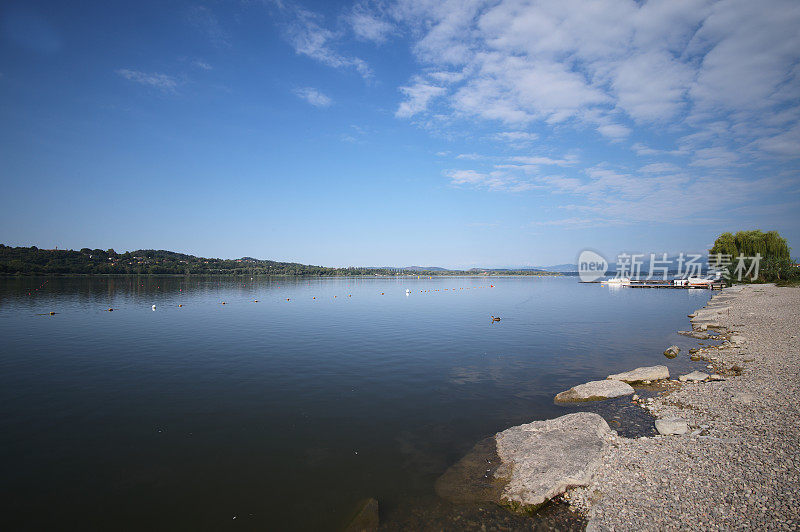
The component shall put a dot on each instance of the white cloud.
(308, 37)
(701, 90)
(659, 168)
(516, 139)
(566, 161)
(611, 196)
(614, 131)
(466, 177)
(418, 96)
(369, 24)
(613, 66)
(497, 180)
(313, 96)
(785, 144)
(572, 223)
(155, 80)
(202, 65)
(645, 150)
(714, 157)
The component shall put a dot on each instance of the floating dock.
(716, 285)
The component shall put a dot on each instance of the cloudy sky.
(452, 133)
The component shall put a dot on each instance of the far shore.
(376, 276)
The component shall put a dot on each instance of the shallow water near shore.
(284, 413)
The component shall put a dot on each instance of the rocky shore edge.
(711, 465)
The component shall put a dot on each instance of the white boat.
(699, 281)
(617, 281)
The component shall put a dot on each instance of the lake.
(284, 413)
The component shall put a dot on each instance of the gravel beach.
(738, 465)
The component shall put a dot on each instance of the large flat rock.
(671, 426)
(595, 391)
(648, 373)
(545, 458)
(696, 334)
(695, 376)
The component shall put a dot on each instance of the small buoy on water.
(255, 301)
(495, 318)
(111, 310)
(153, 307)
(52, 313)
(223, 302)
(180, 305)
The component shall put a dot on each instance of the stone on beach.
(595, 391)
(672, 351)
(695, 376)
(547, 457)
(696, 334)
(671, 426)
(648, 373)
(525, 466)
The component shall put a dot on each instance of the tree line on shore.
(32, 260)
(776, 264)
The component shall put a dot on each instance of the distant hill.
(32, 260)
(425, 268)
(558, 268)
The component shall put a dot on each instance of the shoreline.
(283, 275)
(737, 465)
(722, 455)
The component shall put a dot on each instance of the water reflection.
(324, 392)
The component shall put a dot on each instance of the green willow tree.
(776, 264)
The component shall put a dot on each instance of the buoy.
(180, 305)
(154, 307)
(313, 298)
(255, 301)
(287, 299)
(223, 302)
(495, 318)
(52, 313)
(111, 310)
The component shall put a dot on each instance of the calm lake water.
(283, 414)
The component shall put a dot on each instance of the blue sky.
(465, 133)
